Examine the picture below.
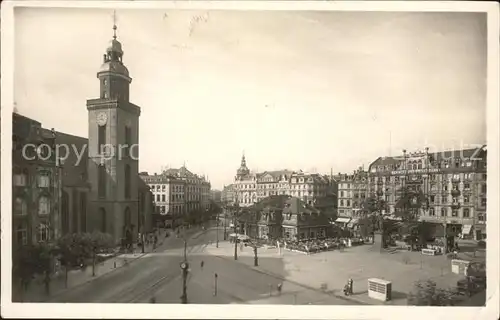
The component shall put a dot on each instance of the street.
(158, 275)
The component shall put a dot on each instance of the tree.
(42, 255)
(407, 209)
(371, 216)
(67, 252)
(100, 242)
(426, 293)
(76, 249)
(23, 266)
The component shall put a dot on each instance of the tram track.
(129, 296)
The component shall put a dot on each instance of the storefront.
(467, 232)
(342, 221)
(353, 223)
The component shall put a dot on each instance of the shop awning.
(466, 229)
(343, 220)
(352, 223)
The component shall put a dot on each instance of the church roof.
(74, 169)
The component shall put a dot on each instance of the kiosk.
(379, 289)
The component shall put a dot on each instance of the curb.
(297, 283)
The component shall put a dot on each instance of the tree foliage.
(409, 204)
(371, 214)
(32, 260)
(75, 249)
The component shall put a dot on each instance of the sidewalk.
(36, 289)
(329, 271)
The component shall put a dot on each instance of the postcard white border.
(126, 311)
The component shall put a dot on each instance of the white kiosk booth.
(379, 289)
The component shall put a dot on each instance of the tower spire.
(114, 24)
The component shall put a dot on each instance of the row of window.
(43, 233)
(421, 164)
(178, 188)
(276, 186)
(443, 212)
(432, 177)
(43, 180)
(21, 206)
(178, 197)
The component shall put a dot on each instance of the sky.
(315, 91)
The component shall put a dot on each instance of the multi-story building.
(353, 189)
(283, 217)
(216, 196)
(36, 183)
(252, 187)
(178, 192)
(453, 184)
(228, 195)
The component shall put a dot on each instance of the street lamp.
(184, 268)
(140, 224)
(235, 237)
(217, 231)
(215, 284)
(225, 221)
(255, 258)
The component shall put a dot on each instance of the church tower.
(113, 152)
(243, 169)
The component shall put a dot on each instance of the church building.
(99, 191)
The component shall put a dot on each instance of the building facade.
(284, 217)
(216, 196)
(252, 187)
(353, 189)
(177, 193)
(453, 184)
(36, 184)
(228, 195)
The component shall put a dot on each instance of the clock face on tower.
(102, 117)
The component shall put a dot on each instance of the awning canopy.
(343, 220)
(466, 228)
(352, 223)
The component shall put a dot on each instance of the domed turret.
(113, 74)
(113, 59)
(114, 46)
(243, 170)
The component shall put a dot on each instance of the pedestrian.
(351, 285)
(280, 285)
(202, 264)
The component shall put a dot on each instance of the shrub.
(425, 293)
